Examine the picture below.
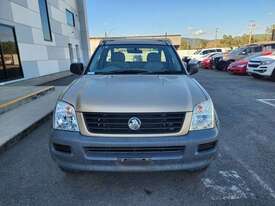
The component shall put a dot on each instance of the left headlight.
(203, 116)
(65, 117)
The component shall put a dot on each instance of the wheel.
(257, 76)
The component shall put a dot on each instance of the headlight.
(267, 62)
(65, 117)
(242, 65)
(203, 116)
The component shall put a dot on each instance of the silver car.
(134, 108)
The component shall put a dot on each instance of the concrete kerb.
(7, 106)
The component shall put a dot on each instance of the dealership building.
(41, 37)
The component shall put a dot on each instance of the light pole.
(252, 27)
(216, 36)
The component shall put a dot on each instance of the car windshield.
(135, 59)
(236, 51)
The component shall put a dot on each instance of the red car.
(207, 62)
(238, 67)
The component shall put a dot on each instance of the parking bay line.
(267, 101)
(254, 174)
(233, 188)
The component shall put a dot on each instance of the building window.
(70, 18)
(45, 20)
(10, 66)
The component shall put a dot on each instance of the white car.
(262, 66)
(201, 54)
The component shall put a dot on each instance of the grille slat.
(253, 65)
(117, 123)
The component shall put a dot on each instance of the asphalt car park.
(242, 174)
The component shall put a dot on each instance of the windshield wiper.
(132, 71)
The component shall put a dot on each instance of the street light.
(252, 27)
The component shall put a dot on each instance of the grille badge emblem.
(134, 123)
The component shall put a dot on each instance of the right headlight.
(268, 62)
(203, 116)
(65, 117)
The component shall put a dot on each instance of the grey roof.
(136, 41)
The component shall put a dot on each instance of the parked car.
(215, 60)
(238, 67)
(207, 62)
(199, 55)
(134, 115)
(262, 66)
(204, 62)
(248, 51)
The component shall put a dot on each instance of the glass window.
(45, 20)
(70, 18)
(140, 58)
(258, 49)
(10, 67)
(2, 70)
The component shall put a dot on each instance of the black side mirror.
(193, 70)
(77, 68)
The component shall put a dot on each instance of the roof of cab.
(136, 41)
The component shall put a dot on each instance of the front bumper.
(237, 70)
(261, 70)
(121, 154)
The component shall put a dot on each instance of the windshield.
(149, 59)
(236, 51)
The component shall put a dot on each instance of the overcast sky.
(196, 18)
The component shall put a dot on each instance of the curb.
(24, 99)
(14, 140)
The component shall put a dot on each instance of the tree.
(184, 44)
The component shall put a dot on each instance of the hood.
(239, 62)
(134, 93)
(263, 58)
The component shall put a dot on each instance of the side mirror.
(77, 68)
(193, 70)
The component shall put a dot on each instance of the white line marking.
(228, 186)
(267, 101)
(254, 175)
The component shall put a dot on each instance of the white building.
(41, 37)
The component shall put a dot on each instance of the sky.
(195, 18)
